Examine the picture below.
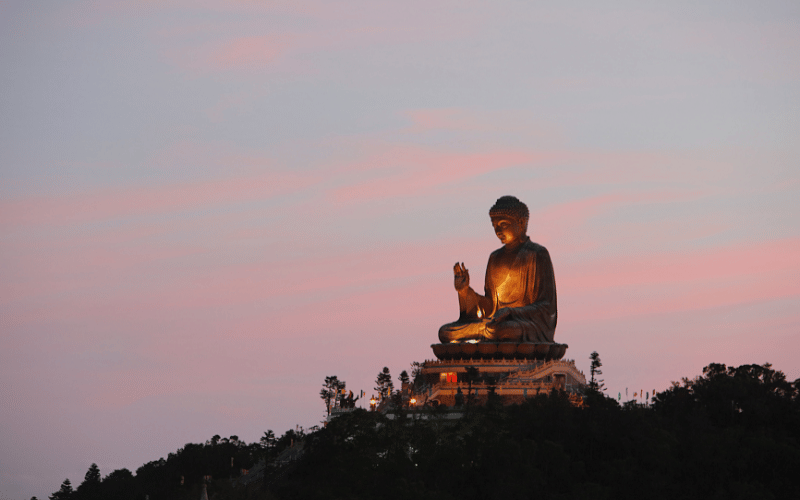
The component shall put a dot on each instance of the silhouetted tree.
(750, 395)
(384, 385)
(65, 493)
(268, 441)
(330, 390)
(89, 489)
(92, 475)
(287, 440)
(594, 369)
(119, 485)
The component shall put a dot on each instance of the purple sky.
(207, 207)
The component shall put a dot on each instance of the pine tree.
(92, 475)
(594, 369)
(89, 489)
(268, 439)
(65, 493)
(384, 384)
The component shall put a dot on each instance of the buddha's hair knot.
(510, 206)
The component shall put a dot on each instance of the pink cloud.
(115, 202)
(126, 388)
(150, 284)
(246, 52)
(79, 268)
(390, 170)
(249, 53)
(507, 122)
(450, 119)
(669, 282)
(573, 226)
(401, 170)
(743, 259)
(576, 213)
(240, 43)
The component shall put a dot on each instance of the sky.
(207, 207)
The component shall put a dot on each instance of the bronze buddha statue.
(519, 304)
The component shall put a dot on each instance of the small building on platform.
(448, 382)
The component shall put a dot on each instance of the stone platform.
(512, 380)
(500, 350)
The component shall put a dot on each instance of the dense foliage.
(730, 433)
(180, 476)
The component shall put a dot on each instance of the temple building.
(450, 382)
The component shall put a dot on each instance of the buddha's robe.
(522, 282)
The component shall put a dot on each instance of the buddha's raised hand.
(460, 276)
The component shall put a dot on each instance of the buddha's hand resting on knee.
(501, 315)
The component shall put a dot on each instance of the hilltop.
(733, 432)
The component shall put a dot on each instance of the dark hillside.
(730, 433)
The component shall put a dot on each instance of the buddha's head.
(509, 220)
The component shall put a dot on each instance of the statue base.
(500, 350)
(512, 380)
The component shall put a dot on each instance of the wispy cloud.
(400, 170)
(246, 52)
(494, 123)
(250, 53)
(674, 281)
(124, 201)
(252, 40)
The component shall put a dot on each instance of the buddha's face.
(509, 230)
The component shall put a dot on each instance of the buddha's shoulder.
(532, 247)
(533, 252)
(528, 248)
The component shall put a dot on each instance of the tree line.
(219, 462)
(732, 432)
